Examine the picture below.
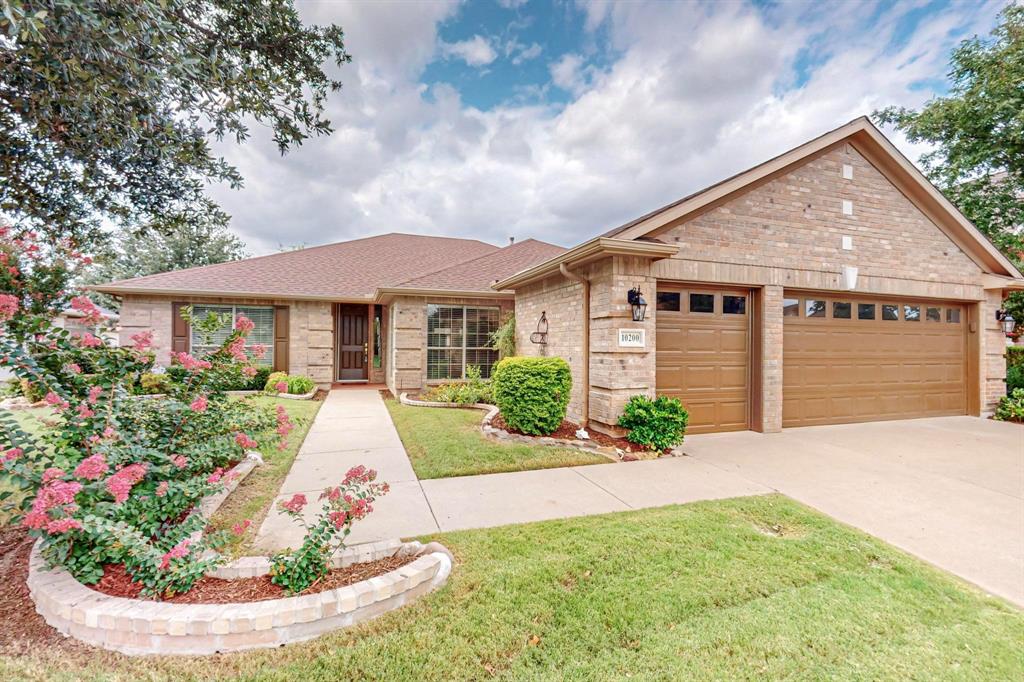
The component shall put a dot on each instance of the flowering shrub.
(115, 479)
(350, 501)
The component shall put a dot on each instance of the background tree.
(978, 134)
(107, 109)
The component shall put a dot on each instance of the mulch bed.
(567, 430)
(117, 583)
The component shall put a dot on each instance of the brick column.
(771, 359)
(992, 367)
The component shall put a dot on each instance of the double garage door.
(845, 359)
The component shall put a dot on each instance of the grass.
(750, 588)
(448, 442)
(253, 497)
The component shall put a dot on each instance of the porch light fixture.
(1007, 320)
(637, 303)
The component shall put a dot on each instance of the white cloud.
(512, 4)
(523, 53)
(476, 51)
(694, 94)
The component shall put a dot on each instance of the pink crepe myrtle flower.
(199, 404)
(73, 368)
(249, 371)
(244, 324)
(58, 526)
(92, 468)
(142, 341)
(295, 504)
(55, 401)
(51, 474)
(192, 364)
(215, 477)
(84, 411)
(8, 306)
(258, 350)
(12, 454)
(338, 518)
(245, 442)
(89, 341)
(94, 394)
(237, 349)
(109, 432)
(53, 494)
(359, 474)
(161, 490)
(122, 482)
(90, 313)
(281, 386)
(179, 551)
(180, 461)
(240, 528)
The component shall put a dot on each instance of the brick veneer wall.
(993, 353)
(407, 337)
(311, 330)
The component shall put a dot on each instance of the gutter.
(586, 339)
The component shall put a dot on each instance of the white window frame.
(464, 347)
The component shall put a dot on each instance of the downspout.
(586, 339)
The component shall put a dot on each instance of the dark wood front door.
(352, 342)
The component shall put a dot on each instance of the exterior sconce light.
(637, 303)
(1007, 320)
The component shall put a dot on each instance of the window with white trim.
(262, 333)
(459, 336)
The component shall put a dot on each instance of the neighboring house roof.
(480, 273)
(879, 151)
(354, 269)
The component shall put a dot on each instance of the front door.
(352, 342)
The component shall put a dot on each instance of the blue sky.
(560, 119)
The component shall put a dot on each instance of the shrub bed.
(532, 393)
(282, 382)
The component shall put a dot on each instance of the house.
(830, 284)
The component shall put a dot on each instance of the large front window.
(459, 336)
(262, 333)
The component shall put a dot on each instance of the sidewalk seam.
(601, 487)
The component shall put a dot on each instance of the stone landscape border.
(494, 433)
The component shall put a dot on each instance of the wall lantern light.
(638, 304)
(1007, 320)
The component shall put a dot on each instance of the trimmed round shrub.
(532, 393)
(657, 424)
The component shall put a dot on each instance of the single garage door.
(853, 359)
(703, 342)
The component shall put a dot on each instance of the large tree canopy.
(978, 132)
(107, 109)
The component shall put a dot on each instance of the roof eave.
(171, 293)
(599, 247)
(386, 294)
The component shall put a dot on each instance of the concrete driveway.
(949, 490)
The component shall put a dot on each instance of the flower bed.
(136, 626)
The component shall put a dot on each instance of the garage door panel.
(839, 370)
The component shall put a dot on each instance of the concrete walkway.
(352, 427)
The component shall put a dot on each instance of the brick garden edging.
(136, 626)
(501, 435)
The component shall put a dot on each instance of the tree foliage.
(107, 109)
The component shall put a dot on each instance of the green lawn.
(447, 442)
(751, 588)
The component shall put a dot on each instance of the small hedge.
(532, 393)
(657, 424)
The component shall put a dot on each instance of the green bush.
(1011, 407)
(258, 380)
(474, 389)
(300, 385)
(273, 379)
(532, 393)
(1015, 356)
(657, 424)
(1014, 378)
(153, 383)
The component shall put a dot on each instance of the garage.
(854, 359)
(703, 351)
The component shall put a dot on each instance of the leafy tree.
(978, 133)
(107, 109)
(191, 244)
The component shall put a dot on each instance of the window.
(953, 315)
(378, 316)
(791, 307)
(262, 333)
(459, 336)
(702, 303)
(814, 308)
(865, 311)
(912, 313)
(933, 315)
(734, 305)
(890, 312)
(841, 310)
(668, 300)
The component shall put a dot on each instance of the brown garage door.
(703, 354)
(854, 359)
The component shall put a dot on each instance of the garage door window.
(912, 313)
(668, 300)
(814, 308)
(734, 305)
(791, 307)
(953, 315)
(890, 312)
(933, 315)
(841, 310)
(702, 303)
(865, 311)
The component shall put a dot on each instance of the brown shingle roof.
(345, 270)
(479, 273)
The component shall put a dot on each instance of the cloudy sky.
(559, 119)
